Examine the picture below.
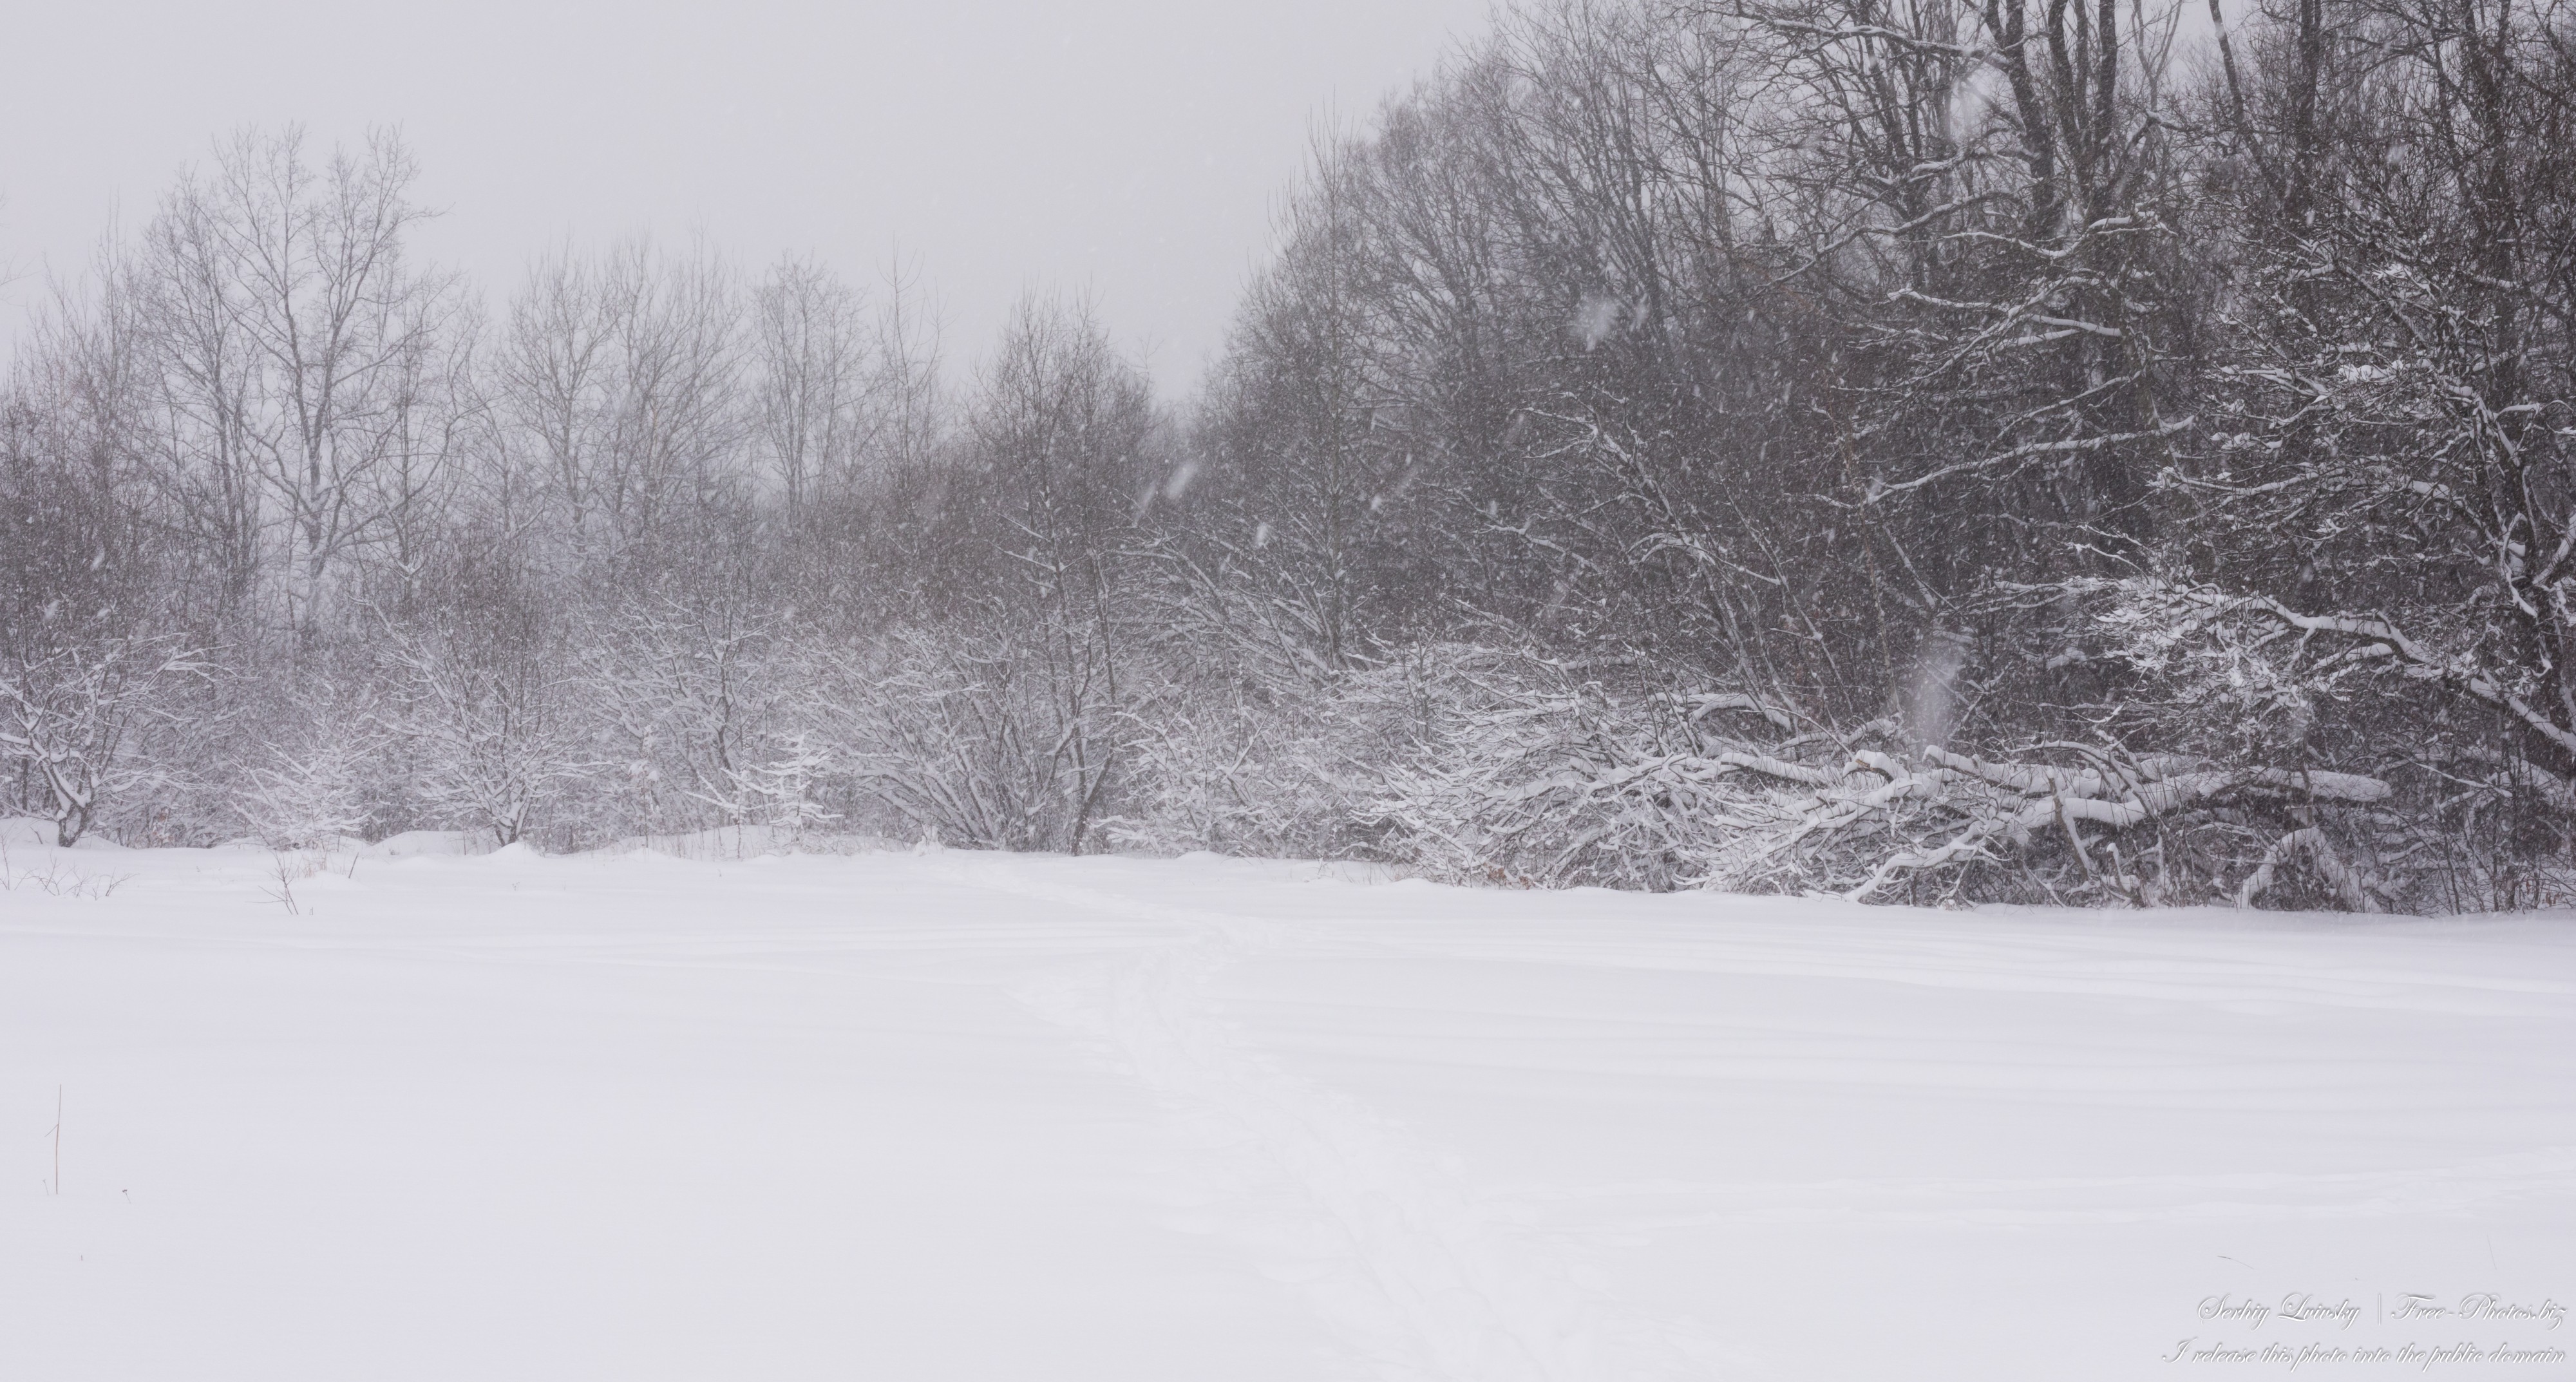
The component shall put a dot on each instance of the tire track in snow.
(1416, 1277)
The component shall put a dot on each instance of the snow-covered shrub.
(68, 713)
(783, 789)
(994, 738)
(485, 737)
(1284, 766)
(477, 708)
(678, 697)
(1535, 771)
(315, 782)
(2092, 825)
(2470, 819)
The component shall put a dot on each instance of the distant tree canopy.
(1953, 450)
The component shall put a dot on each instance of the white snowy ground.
(965, 1116)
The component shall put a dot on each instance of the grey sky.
(1135, 149)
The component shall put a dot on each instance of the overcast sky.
(1135, 149)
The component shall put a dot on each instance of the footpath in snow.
(964, 1116)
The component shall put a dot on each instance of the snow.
(414, 842)
(957, 1115)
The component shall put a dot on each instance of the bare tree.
(620, 375)
(301, 350)
(1060, 437)
(813, 380)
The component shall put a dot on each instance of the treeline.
(1963, 449)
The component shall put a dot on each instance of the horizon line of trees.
(1914, 449)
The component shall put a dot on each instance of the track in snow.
(1418, 1280)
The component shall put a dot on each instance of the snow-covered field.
(964, 1116)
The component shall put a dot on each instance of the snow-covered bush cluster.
(1950, 452)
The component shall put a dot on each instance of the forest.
(1931, 451)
